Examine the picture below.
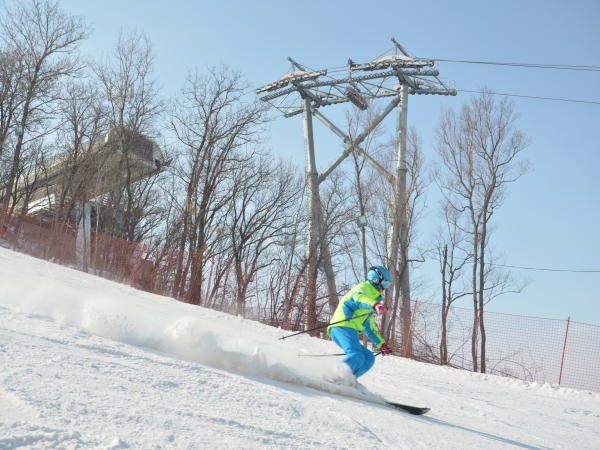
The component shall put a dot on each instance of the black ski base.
(417, 411)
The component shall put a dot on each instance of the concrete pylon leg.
(313, 219)
(397, 239)
(317, 248)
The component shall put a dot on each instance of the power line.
(529, 65)
(532, 96)
(548, 270)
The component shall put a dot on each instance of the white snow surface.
(86, 363)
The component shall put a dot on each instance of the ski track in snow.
(86, 363)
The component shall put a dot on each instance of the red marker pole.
(564, 349)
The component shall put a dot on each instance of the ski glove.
(385, 350)
(380, 308)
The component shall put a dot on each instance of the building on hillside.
(79, 183)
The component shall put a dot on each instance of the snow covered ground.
(86, 363)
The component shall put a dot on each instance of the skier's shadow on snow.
(487, 435)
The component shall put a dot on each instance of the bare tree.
(336, 216)
(364, 176)
(44, 40)
(12, 95)
(451, 249)
(82, 124)
(479, 150)
(330, 251)
(134, 108)
(412, 211)
(291, 261)
(30, 172)
(212, 124)
(261, 215)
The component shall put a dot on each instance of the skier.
(357, 309)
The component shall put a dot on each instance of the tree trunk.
(475, 303)
(241, 289)
(481, 289)
(194, 293)
(443, 343)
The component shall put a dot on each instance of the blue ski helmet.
(379, 276)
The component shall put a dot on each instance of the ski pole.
(322, 326)
(336, 354)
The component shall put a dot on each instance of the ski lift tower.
(307, 92)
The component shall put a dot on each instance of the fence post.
(212, 264)
(3, 220)
(137, 264)
(64, 241)
(294, 300)
(563, 352)
(412, 320)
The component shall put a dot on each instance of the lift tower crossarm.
(354, 146)
(355, 79)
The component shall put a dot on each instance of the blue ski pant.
(359, 358)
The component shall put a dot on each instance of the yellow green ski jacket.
(360, 300)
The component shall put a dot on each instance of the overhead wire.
(533, 96)
(387, 51)
(545, 269)
(529, 65)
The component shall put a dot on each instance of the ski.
(417, 411)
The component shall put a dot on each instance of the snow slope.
(86, 363)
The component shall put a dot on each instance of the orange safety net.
(526, 348)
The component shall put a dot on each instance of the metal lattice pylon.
(303, 91)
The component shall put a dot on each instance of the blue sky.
(552, 216)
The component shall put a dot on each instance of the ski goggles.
(384, 283)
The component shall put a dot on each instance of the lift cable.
(528, 65)
(547, 270)
(532, 96)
